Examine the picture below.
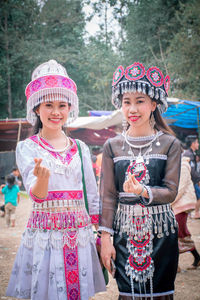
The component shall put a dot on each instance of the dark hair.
(10, 179)
(14, 169)
(161, 123)
(190, 139)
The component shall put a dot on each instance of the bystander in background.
(16, 173)
(184, 203)
(11, 197)
(193, 145)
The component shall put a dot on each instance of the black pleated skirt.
(165, 258)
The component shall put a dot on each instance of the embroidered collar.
(72, 150)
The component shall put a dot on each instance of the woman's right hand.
(40, 171)
(40, 188)
(107, 250)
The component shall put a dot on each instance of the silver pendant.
(59, 169)
(139, 159)
(130, 152)
(158, 143)
(139, 167)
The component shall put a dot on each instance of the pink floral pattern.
(52, 81)
(94, 219)
(118, 74)
(155, 76)
(71, 272)
(36, 85)
(135, 71)
(62, 195)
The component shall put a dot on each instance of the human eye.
(63, 105)
(126, 101)
(140, 100)
(48, 104)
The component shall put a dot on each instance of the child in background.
(11, 194)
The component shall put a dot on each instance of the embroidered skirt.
(146, 243)
(45, 268)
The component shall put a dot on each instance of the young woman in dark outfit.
(140, 176)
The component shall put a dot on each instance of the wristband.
(143, 188)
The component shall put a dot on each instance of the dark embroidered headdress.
(135, 78)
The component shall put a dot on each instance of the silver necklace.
(139, 146)
(140, 157)
(52, 149)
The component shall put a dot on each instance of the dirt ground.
(187, 282)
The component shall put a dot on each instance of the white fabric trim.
(153, 156)
(148, 295)
(106, 229)
(128, 195)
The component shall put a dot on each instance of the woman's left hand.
(131, 185)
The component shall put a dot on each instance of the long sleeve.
(25, 161)
(185, 178)
(108, 192)
(91, 185)
(166, 193)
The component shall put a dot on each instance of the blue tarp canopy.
(185, 113)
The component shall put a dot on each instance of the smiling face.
(137, 108)
(53, 114)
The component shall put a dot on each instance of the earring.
(124, 125)
(152, 121)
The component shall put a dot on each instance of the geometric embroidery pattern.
(71, 272)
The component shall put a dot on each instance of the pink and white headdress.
(50, 78)
(135, 78)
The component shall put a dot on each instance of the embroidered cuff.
(94, 219)
(106, 229)
(145, 200)
(36, 199)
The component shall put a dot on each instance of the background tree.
(160, 32)
(16, 26)
(150, 26)
(183, 52)
(97, 66)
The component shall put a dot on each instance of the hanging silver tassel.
(124, 126)
(139, 87)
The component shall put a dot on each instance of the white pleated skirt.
(39, 273)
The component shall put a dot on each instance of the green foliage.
(166, 33)
(183, 53)
(17, 19)
(161, 32)
(96, 68)
(149, 30)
